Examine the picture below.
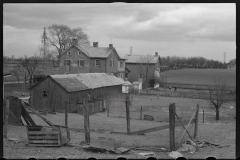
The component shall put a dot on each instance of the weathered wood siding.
(55, 100)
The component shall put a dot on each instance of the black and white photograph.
(111, 80)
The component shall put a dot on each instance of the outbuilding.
(54, 90)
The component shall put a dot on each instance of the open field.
(200, 76)
(221, 132)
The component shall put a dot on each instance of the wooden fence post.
(6, 112)
(203, 116)
(107, 107)
(141, 113)
(86, 123)
(127, 113)
(66, 117)
(172, 110)
(196, 123)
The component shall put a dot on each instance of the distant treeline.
(174, 62)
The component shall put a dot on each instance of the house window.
(111, 63)
(140, 75)
(97, 62)
(121, 75)
(81, 62)
(79, 53)
(68, 53)
(67, 62)
(126, 75)
(121, 64)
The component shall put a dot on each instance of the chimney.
(110, 45)
(130, 51)
(95, 44)
(75, 41)
(156, 53)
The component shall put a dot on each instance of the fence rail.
(179, 94)
(192, 86)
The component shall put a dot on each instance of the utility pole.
(224, 60)
(44, 49)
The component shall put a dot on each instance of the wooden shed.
(54, 90)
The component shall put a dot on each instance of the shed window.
(97, 62)
(67, 62)
(81, 62)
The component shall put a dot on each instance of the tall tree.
(28, 66)
(60, 37)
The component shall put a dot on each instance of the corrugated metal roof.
(84, 81)
(141, 58)
(96, 52)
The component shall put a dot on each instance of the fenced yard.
(101, 126)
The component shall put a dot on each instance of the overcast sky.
(179, 29)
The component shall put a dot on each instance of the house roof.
(85, 81)
(94, 52)
(127, 83)
(136, 82)
(152, 59)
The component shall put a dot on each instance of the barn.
(53, 91)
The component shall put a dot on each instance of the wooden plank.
(42, 145)
(184, 132)
(29, 107)
(196, 123)
(28, 117)
(183, 126)
(42, 137)
(42, 132)
(13, 115)
(6, 118)
(43, 141)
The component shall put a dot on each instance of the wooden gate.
(15, 109)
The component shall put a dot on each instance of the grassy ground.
(200, 76)
(222, 132)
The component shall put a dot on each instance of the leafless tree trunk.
(16, 73)
(28, 67)
(147, 68)
(219, 94)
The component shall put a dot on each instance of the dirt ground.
(221, 132)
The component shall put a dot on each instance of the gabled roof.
(94, 52)
(151, 59)
(85, 81)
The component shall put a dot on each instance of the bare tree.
(16, 73)
(219, 94)
(60, 37)
(28, 67)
